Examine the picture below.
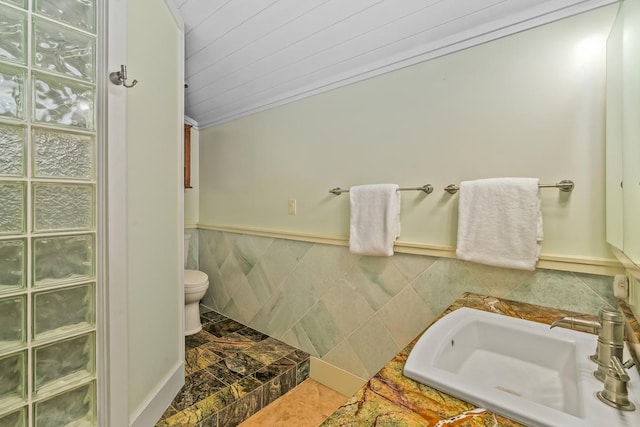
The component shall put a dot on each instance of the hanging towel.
(500, 222)
(375, 219)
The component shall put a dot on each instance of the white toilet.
(195, 286)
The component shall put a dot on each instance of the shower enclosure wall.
(48, 212)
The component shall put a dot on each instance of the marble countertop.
(391, 399)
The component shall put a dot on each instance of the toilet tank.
(187, 241)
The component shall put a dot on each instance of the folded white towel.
(375, 219)
(500, 222)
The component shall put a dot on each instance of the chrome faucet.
(610, 338)
(608, 356)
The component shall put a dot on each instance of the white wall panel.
(195, 12)
(227, 18)
(295, 32)
(280, 14)
(154, 184)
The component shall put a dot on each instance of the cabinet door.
(614, 176)
(631, 128)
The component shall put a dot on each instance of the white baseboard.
(335, 378)
(150, 411)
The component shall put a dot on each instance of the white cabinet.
(631, 128)
(623, 131)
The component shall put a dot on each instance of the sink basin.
(517, 368)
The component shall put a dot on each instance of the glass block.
(62, 311)
(63, 102)
(62, 259)
(12, 319)
(58, 49)
(12, 150)
(14, 419)
(13, 27)
(12, 211)
(63, 207)
(62, 363)
(12, 265)
(62, 154)
(75, 408)
(77, 13)
(13, 379)
(12, 91)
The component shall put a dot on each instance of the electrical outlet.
(292, 206)
(621, 286)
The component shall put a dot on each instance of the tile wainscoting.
(358, 312)
(192, 258)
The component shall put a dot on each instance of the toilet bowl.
(195, 286)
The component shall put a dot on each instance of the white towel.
(375, 219)
(500, 222)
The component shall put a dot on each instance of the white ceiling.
(244, 56)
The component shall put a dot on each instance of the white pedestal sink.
(520, 369)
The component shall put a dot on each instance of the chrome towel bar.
(428, 188)
(565, 185)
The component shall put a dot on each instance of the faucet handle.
(615, 392)
(629, 364)
(618, 370)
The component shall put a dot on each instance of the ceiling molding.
(194, 124)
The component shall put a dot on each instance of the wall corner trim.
(175, 13)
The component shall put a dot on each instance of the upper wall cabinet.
(623, 131)
(614, 184)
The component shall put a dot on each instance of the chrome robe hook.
(120, 77)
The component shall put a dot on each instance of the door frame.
(112, 307)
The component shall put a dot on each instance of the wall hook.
(120, 77)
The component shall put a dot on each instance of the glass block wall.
(47, 213)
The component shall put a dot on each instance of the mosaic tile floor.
(231, 372)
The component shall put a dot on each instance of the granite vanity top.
(391, 399)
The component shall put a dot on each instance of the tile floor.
(307, 405)
(231, 372)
